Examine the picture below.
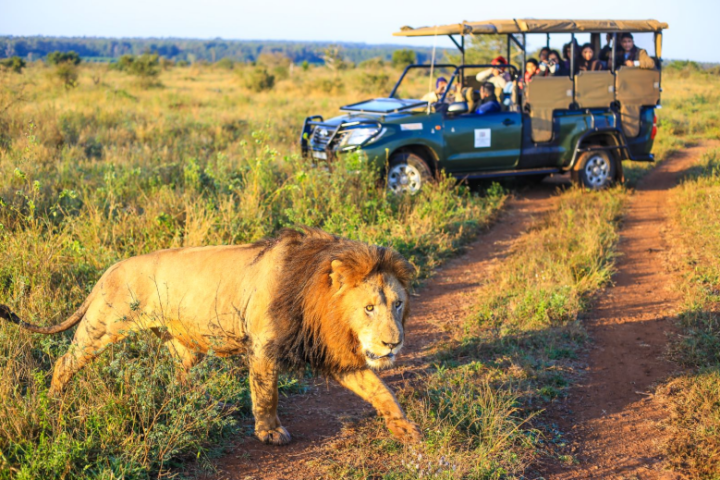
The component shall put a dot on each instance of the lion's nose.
(391, 345)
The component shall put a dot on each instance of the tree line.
(191, 50)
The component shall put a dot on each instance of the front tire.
(407, 173)
(595, 170)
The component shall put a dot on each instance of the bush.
(375, 83)
(225, 63)
(13, 64)
(166, 63)
(372, 63)
(65, 67)
(182, 63)
(146, 66)
(59, 58)
(403, 58)
(259, 79)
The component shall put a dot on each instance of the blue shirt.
(488, 107)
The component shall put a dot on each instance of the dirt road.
(611, 417)
(316, 417)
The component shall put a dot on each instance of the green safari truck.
(584, 122)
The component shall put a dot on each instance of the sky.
(692, 22)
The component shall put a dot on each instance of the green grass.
(107, 170)
(514, 354)
(694, 397)
(97, 173)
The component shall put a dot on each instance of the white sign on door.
(482, 137)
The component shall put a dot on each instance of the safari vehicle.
(585, 123)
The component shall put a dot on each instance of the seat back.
(544, 95)
(594, 89)
(635, 88)
(472, 82)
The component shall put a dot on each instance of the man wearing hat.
(440, 87)
(632, 56)
(495, 75)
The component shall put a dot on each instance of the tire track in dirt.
(611, 416)
(316, 417)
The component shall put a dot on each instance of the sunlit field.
(118, 166)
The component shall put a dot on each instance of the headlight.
(358, 136)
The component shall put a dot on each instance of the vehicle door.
(482, 142)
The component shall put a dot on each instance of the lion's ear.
(336, 276)
(404, 270)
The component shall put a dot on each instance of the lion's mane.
(310, 318)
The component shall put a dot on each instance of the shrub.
(372, 63)
(403, 58)
(225, 63)
(146, 66)
(166, 63)
(65, 67)
(58, 58)
(13, 64)
(375, 82)
(182, 63)
(259, 79)
(305, 65)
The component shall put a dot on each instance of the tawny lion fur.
(305, 297)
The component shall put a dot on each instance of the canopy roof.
(534, 26)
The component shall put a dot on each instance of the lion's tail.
(8, 315)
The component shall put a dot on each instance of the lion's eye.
(370, 308)
(398, 304)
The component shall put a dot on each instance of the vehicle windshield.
(419, 82)
(384, 105)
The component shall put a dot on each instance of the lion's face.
(375, 310)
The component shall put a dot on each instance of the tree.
(146, 66)
(70, 58)
(259, 79)
(13, 64)
(332, 56)
(65, 67)
(403, 58)
(481, 49)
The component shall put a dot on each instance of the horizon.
(328, 22)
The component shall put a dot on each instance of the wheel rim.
(404, 178)
(597, 171)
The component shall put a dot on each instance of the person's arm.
(484, 75)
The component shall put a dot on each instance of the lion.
(304, 297)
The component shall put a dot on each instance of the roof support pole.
(614, 52)
(462, 44)
(547, 40)
(524, 56)
(572, 56)
(572, 65)
(509, 57)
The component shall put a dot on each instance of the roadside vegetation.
(110, 169)
(478, 403)
(694, 397)
(97, 165)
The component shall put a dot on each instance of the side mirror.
(457, 108)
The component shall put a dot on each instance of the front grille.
(321, 137)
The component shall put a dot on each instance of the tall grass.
(109, 170)
(505, 361)
(694, 397)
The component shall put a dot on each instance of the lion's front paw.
(404, 430)
(276, 436)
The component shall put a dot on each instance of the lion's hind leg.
(83, 350)
(95, 332)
